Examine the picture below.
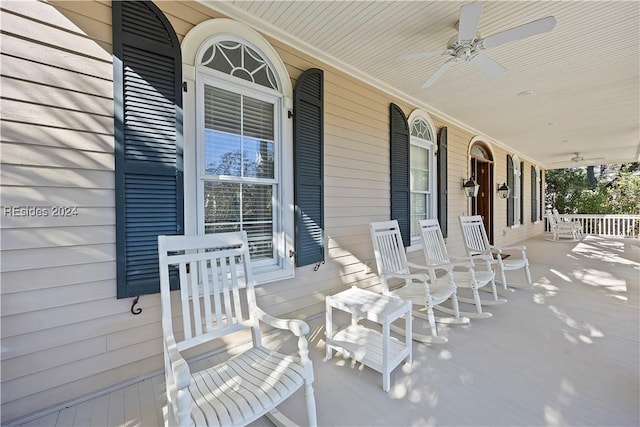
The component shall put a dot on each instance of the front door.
(482, 205)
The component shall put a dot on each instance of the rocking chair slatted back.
(210, 288)
(388, 248)
(474, 235)
(433, 245)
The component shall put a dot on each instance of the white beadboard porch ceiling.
(585, 74)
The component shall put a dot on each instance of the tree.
(624, 193)
(609, 189)
(564, 187)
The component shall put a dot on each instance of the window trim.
(432, 146)
(193, 45)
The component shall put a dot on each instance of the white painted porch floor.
(565, 352)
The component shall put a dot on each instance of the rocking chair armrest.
(298, 327)
(496, 250)
(446, 266)
(423, 277)
(458, 258)
(486, 260)
(514, 248)
(467, 261)
(429, 266)
(179, 367)
(417, 266)
(462, 262)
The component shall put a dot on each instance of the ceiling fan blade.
(420, 55)
(469, 19)
(487, 65)
(520, 32)
(439, 72)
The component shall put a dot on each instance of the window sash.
(421, 184)
(244, 126)
(421, 208)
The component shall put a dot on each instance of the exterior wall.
(64, 333)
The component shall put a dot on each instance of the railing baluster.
(607, 225)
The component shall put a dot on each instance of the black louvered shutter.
(400, 191)
(521, 195)
(147, 78)
(534, 195)
(308, 131)
(443, 198)
(510, 200)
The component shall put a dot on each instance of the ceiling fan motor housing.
(465, 50)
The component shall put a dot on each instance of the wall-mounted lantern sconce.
(503, 190)
(470, 187)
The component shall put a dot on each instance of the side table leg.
(408, 332)
(329, 330)
(386, 375)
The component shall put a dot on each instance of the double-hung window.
(238, 169)
(422, 178)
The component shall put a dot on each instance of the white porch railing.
(606, 225)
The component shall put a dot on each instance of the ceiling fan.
(466, 46)
(577, 158)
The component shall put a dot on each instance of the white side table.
(379, 351)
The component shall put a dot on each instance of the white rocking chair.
(391, 261)
(476, 243)
(217, 298)
(460, 270)
(576, 225)
(561, 229)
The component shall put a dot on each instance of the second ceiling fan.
(466, 46)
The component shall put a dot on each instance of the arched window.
(241, 142)
(422, 171)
